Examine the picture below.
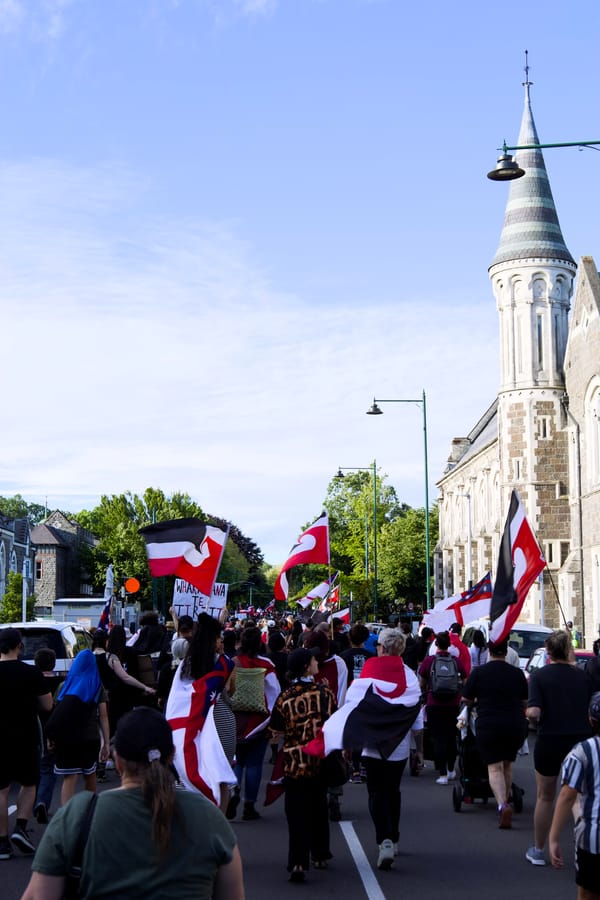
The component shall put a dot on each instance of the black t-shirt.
(500, 691)
(355, 658)
(20, 687)
(592, 670)
(562, 692)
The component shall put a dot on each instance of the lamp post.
(373, 469)
(507, 168)
(422, 402)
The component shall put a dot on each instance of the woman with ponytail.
(146, 840)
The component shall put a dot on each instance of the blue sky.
(227, 224)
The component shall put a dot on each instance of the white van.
(65, 638)
(524, 637)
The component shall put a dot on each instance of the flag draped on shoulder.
(379, 711)
(188, 548)
(519, 563)
(199, 756)
(312, 546)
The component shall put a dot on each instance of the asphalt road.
(442, 853)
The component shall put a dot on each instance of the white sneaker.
(443, 779)
(386, 855)
(452, 776)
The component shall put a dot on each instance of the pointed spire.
(531, 228)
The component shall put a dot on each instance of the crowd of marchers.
(191, 716)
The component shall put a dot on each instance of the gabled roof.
(484, 433)
(531, 228)
(45, 535)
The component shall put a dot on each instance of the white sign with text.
(188, 601)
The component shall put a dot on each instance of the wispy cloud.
(38, 20)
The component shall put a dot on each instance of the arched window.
(13, 562)
(592, 434)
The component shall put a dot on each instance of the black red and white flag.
(312, 546)
(188, 548)
(377, 713)
(519, 563)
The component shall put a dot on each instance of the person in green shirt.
(146, 840)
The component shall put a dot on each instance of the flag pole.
(562, 612)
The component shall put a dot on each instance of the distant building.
(15, 549)
(59, 566)
(541, 435)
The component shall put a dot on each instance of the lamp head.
(374, 411)
(339, 474)
(507, 169)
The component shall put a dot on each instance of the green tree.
(116, 521)
(11, 605)
(402, 558)
(18, 508)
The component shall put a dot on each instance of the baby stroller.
(472, 783)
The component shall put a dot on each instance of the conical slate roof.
(531, 227)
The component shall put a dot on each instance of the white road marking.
(359, 856)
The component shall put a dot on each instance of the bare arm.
(105, 730)
(229, 883)
(175, 617)
(45, 702)
(118, 669)
(562, 812)
(533, 712)
(44, 887)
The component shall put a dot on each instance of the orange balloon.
(132, 585)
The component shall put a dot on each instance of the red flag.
(312, 546)
(187, 548)
(519, 564)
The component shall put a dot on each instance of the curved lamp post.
(373, 470)
(422, 402)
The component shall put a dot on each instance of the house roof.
(47, 536)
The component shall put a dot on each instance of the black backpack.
(444, 680)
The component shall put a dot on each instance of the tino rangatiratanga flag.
(188, 548)
(312, 546)
(519, 563)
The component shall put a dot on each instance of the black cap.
(298, 660)
(144, 735)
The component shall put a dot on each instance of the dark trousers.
(383, 788)
(441, 721)
(308, 821)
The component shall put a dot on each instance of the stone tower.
(532, 277)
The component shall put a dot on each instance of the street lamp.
(375, 411)
(373, 469)
(507, 168)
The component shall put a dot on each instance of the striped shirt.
(581, 771)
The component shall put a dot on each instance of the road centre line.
(370, 883)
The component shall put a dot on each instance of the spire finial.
(527, 83)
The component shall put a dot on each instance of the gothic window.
(39, 570)
(540, 340)
(13, 562)
(592, 433)
(543, 427)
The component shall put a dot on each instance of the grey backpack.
(444, 680)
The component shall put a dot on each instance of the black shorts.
(19, 765)
(550, 750)
(588, 870)
(496, 746)
(75, 759)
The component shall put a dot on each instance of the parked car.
(540, 658)
(524, 637)
(65, 638)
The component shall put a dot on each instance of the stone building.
(16, 551)
(541, 435)
(58, 560)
